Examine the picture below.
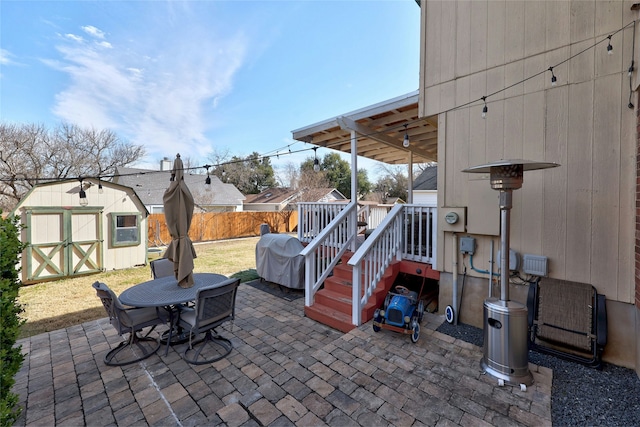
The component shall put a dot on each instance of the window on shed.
(125, 229)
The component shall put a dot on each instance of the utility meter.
(451, 218)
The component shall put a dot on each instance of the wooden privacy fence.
(223, 225)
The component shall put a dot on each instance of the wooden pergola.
(380, 128)
(377, 132)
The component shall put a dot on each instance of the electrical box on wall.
(453, 219)
(467, 245)
(514, 260)
(535, 265)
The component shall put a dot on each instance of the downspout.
(455, 279)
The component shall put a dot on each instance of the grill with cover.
(278, 260)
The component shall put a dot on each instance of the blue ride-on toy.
(401, 312)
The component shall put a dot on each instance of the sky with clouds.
(197, 76)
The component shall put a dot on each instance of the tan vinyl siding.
(582, 214)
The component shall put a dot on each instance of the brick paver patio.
(285, 369)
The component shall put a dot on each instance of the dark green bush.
(10, 355)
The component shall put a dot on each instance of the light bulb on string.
(405, 141)
(100, 190)
(316, 162)
(207, 182)
(83, 195)
(609, 47)
(485, 109)
(554, 80)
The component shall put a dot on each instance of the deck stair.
(332, 304)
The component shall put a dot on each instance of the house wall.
(581, 215)
(65, 196)
(425, 197)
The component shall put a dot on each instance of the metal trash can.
(505, 350)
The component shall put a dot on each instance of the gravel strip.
(580, 396)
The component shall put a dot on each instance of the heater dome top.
(527, 165)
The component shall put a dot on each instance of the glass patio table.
(165, 292)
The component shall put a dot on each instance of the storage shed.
(67, 239)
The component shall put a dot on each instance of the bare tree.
(290, 177)
(311, 179)
(394, 183)
(31, 153)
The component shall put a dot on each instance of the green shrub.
(10, 355)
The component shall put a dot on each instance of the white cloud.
(93, 31)
(74, 37)
(159, 93)
(5, 57)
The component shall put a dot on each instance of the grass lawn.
(62, 303)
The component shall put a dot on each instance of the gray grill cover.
(278, 260)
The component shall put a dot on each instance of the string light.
(83, 195)
(100, 190)
(316, 162)
(207, 182)
(363, 136)
(553, 77)
(405, 142)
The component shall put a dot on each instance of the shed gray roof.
(427, 180)
(150, 186)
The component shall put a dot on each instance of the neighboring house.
(321, 195)
(425, 187)
(150, 186)
(278, 199)
(271, 199)
(66, 239)
(379, 198)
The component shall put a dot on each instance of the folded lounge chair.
(568, 320)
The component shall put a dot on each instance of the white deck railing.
(325, 250)
(421, 231)
(314, 217)
(407, 232)
(372, 259)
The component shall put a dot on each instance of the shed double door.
(63, 243)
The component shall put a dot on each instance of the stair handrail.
(377, 252)
(325, 250)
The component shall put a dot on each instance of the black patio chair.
(214, 306)
(130, 320)
(161, 267)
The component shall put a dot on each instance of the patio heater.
(505, 350)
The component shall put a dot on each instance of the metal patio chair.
(130, 320)
(161, 267)
(214, 306)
